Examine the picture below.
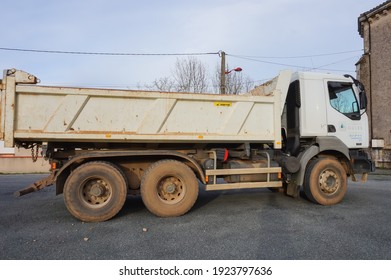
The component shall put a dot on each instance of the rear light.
(226, 154)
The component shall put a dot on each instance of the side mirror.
(362, 94)
(363, 100)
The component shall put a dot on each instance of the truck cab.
(329, 105)
(324, 116)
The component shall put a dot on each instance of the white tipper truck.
(299, 130)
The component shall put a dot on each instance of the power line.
(299, 56)
(265, 61)
(335, 62)
(172, 54)
(244, 57)
(106, 53)
(295, 66)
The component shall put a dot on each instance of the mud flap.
(293, 190)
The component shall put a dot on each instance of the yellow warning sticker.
(223, 104)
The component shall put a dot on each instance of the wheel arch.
(113, 156)
(323, 147)
(331, 144)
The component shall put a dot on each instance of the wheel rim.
(329, 182)
(171, 190)
(96, 192)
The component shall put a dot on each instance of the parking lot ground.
(245, 224)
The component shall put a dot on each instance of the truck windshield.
(343, 99)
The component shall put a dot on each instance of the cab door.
(344, 117)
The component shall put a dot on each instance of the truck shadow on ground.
(134, 203)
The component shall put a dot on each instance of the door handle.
(331, 128)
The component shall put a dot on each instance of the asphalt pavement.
(245, 224)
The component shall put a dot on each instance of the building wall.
(381, 78)
(374, 71)
(18, 164)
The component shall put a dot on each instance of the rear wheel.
(169, 188)
(325, 181)
(95, 191)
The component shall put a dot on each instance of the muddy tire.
(325, 181)
(169, 188)
(95, 191)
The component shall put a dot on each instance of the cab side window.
(343, 99)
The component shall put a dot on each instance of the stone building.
(374, 71)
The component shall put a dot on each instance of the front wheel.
(325, 181)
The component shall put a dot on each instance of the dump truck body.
(33, 113)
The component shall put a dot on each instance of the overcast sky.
(260, 36)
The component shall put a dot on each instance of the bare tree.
(163, 84)
(249, 84)
(190, 75)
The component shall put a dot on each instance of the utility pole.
(222, 73)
